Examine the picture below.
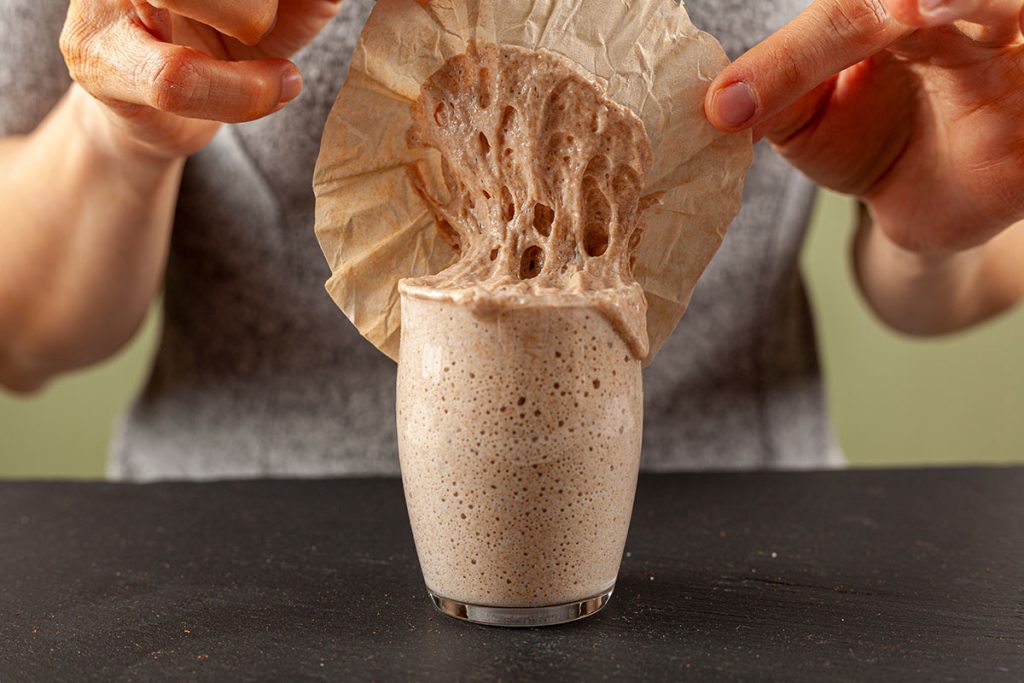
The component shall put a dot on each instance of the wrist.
(874, 242)
(914, 292)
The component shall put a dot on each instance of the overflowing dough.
(543, 177)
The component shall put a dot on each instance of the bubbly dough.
(520, 401)
(543, 175)
(519, 436)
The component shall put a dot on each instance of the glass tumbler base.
(522, 616)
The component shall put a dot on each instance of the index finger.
(126, 64)
(246, 20)
(824, 39)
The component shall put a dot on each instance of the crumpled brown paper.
(375, 229)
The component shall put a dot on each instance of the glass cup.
(519, 432)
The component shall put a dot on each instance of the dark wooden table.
(860, 575)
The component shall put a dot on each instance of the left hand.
(921, 115)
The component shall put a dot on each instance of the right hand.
(165, 74)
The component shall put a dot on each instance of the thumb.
(797, 117)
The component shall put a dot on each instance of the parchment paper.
(375, 229)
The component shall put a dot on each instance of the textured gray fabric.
(258, 373)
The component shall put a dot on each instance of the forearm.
(83, 242)
(932, 294)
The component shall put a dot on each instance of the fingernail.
(734, 104)
(291, 85)
(929, 6)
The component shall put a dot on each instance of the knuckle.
(67, 42)
(790, 71)
(173, 82)
(74, 46)
(859, 22)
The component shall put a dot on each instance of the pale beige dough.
(519, 436)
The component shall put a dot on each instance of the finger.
(834, 133)
(130, 65)
(1001, 14)
(246, 20)
(156, 21)
(824, 39)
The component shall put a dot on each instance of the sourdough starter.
(519, 386)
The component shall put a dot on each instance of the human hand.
(920, 114)
(164, 74)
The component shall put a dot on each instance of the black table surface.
(856, 575)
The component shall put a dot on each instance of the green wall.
(899, 400)
(896, 401)
(63, 431)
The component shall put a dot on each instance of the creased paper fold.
(374, 228)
